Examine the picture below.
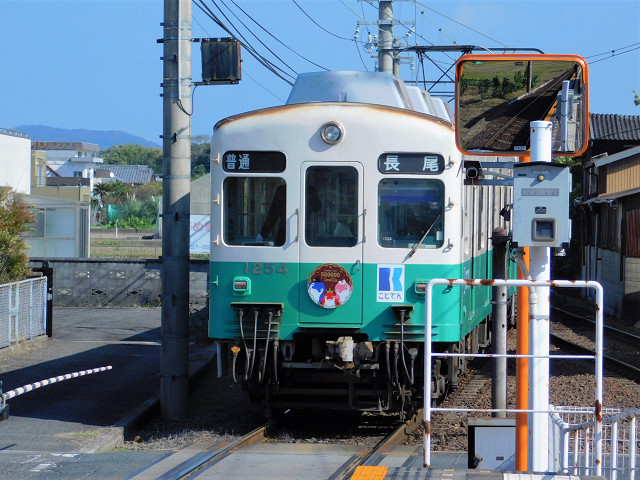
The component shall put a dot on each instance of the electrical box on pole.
(541, 205)
(220, 61)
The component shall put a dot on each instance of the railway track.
(621, 348)
(256, 455)
(185, 462)
(509, 127)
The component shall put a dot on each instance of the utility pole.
(176, 177)
(385, 36)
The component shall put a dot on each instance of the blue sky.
(95, 64)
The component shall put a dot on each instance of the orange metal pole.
(522, 366)
(522, 371)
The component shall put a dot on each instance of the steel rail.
(202, 459)
(590, 320)
(607, 360)
(395, 438)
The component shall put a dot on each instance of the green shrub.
(15, 218)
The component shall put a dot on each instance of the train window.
(410, 212)
(331, 206)
(254, 211)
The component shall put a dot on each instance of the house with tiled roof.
(131, 174)
(609, 133)
(610, 212)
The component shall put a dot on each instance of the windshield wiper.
(413, 250)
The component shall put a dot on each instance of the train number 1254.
(264, 268)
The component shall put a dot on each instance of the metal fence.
(573, 440)
(23, 310)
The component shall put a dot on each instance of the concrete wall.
(631, 299)
(201, 195)
(91, 282)
(608, 275)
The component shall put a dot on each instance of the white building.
(15, 160)
(71, 159)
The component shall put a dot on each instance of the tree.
(118, 193)
(101, 190)
(129, 154)
(15, 218)
(147, 190)
(200, 156)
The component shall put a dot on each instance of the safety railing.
(23, 310)
(595, 458)
(572, 436)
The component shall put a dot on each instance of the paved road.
(50, 429)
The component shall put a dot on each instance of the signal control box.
(541, 205)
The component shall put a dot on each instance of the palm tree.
(101, 189)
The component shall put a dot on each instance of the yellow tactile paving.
(370, 473)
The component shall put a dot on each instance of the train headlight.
(332, 132)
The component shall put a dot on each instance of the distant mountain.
(105, 139)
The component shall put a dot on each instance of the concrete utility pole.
(385, 36)
(176, 167)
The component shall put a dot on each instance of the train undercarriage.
(338, 369)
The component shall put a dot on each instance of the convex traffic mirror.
(498, 96)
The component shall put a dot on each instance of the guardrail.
(13, 133)
(23, 310)
(572, 433)
(595, 460)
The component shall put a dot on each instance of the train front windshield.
(408, 210)
(254, 212)
(331, 206)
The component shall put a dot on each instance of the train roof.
(376, 88)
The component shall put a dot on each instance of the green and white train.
(328, 217)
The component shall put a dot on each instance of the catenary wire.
(252, 51)
(613, 53)
(275, 38)
(609, 52)
(317, 24)
(250, 31)
(265, 62)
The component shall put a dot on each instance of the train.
(329, 215)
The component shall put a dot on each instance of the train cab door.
(331, 244)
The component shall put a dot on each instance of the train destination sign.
(424, 163)
(254, 162)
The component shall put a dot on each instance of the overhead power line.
(317, 24)
(614, 53)
(459, 23)
(276, 39)
(253, 34)
(245, 44)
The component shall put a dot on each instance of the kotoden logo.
(390, 283)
